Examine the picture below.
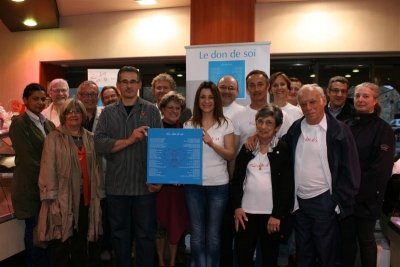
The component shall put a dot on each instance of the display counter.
(11, 229)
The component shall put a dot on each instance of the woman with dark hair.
(262, 188)
(71, 187)
(28, 132)
(172, 216)
(376, 147)
(206, 203)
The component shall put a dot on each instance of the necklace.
(260, 163)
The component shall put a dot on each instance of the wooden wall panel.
(222, 21)
(48, 72)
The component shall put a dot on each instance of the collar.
(42, 119)
(272, 145)
(323, 123)
(332, 112)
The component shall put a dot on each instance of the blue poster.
(235, 68)
(174, 156)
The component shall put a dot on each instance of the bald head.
(228, 89)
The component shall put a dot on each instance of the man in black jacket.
(337, 91)
(326, 178)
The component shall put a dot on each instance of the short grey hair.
(312, 86)
(339, 79)
(271, 110)
(69, 103)
(86, 83)
(57, 81)
(175, 97)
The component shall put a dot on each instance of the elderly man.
(337, 91)
(88, 93)
(161, 85)
(109, 94)
(121, 137)
(229, 90)
(58, 91)
(327, 177)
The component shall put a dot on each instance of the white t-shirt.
(244, 123)
(231, 109)
(257, 193)
(294, 112)
(214, 168)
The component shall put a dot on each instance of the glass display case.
(7, 165)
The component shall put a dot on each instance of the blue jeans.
(143, 211)
(206, 206)
(34, 256)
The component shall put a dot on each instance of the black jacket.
(342, 155)
(345, 113)
(376, 147)
(281, 179)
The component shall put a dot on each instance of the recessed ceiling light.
(18, 0)
(347, 75)
(30, 22)
(179, 75)
(356, 70)
(312, 75)
(146, 2)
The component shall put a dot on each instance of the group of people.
(297, 175)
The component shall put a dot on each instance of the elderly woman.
(376, 147)
(261, 189)
(71, 187)
(206, 203)
(172, 216)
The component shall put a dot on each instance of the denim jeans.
(34, 256)
(142, 209)
(206, 206)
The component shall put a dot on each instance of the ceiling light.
(347, 75)
(179, 75)
(356, 70)
(30, 22)
(146, 2)
(312, 75)
(18, 0)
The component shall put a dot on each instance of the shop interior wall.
(292, 27)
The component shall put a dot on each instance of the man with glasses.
(326, 178)
(337, 91)
(121, 137)
(88, 94)
(229, 91)
(163, 84)
(109, 94)
(58, 91)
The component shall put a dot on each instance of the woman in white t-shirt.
(206, 203)
(280, 86)
(262, 189)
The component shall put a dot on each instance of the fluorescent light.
(30, 22)
(312, 75)
(179, 75)
(18, 0)
(146, 2)
(356, 70)
(347, 75)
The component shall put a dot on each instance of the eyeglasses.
(110, 96)
(172, 108)
(165, 88)
(71, 111)
(126, 82)
(336, 91)
(229, 88)
(57, 91)
(268, 123)
(258, 85)
(86, 95)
